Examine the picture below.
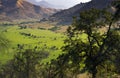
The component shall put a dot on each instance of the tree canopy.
(92, 42)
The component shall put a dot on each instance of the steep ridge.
(20, 9)
(65, 16)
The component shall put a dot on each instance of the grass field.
(30, 38)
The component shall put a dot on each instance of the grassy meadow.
(32, 36)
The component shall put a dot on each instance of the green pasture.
(29, 39)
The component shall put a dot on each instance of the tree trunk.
(49, 72)
(61, 75)
(94, 72)
(93, 75)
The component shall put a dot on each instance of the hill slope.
(46, 4)
(20, 9)
(65, 16)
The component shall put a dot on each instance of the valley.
(29, 37)
(42, 39)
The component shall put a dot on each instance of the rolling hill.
(46, 4)
(20, 9)
(65, 16)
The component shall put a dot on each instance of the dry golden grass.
(84, 75)
(38, 25)
(20, 3)
(44, 25)
(62, 29)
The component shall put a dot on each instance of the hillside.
(65, 16)
(46, 4)
(20, 9)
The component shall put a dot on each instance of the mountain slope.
(46, 4)
(65, 16)
(20, 9)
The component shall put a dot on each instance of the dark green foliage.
(23, 27)
(25, 34)
(97, 50)
(41, 28)
(24, 65)
(4, 42)
(6, 24)
(54, 28)
(116, 4)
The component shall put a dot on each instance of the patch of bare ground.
(84, 75)
(103, 29)
(62, 29)
(44, 25)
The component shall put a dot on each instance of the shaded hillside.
(65, 16)
(20, 9)
(46, 4)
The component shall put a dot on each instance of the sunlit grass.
(43, 39)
